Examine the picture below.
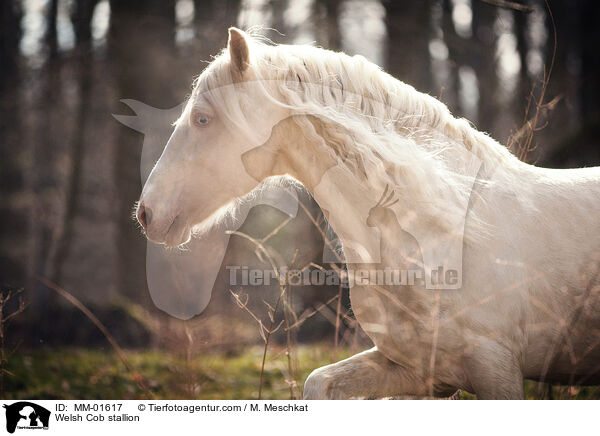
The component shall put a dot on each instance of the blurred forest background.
(70, 173)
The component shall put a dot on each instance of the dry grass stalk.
(265, 332)
(291, 320)
(521, 142)
(5, 320)
(137, 377)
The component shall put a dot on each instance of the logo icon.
(26, 415)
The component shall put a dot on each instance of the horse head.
(200, 171)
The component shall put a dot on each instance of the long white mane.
(366, 117)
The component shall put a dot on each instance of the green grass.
(90, 374)
(93, 374)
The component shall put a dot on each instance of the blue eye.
(201, 120)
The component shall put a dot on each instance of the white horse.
(526, 302)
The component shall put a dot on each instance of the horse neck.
(428, 215)
(344, 199)
(348, 198)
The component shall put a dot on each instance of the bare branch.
(510, 5)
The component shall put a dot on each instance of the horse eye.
(202, 120)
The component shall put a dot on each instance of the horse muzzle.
(170, 232)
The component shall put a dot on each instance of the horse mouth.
(178, 233)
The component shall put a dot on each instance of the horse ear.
(238, 50)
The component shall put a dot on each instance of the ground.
(215, 375)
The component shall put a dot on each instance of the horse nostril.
(144, 216)
(148, 215)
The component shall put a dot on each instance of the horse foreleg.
(494, 374)
(365, 375)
